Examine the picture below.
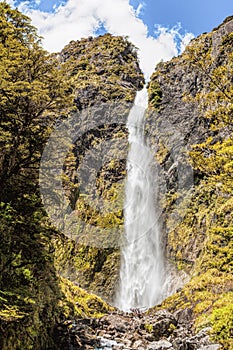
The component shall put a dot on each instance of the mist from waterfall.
(142, 266)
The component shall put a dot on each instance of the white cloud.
(10, 2)
(186, 40)
(181, 40)
(81, 18)
(139, 9)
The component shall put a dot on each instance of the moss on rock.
(198, 222)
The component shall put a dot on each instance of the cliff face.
(102, 69)
(189, 127)
(105, 76)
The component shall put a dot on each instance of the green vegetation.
(148, 327)
(155, 93)
(213, 161)
(106, 68)
(83, 304)
(201, 244)
(222, 321)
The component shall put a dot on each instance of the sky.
(196, 16)
(159, 28)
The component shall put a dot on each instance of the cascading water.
(142, 267)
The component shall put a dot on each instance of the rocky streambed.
(136, 330)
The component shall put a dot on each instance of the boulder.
(159, 345)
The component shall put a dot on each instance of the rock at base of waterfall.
(159, 345)
(159, 330)
(210, 347)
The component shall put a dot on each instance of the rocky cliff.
(105, 76)
(189, 127)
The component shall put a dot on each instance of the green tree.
(33, 93)
(214, 157)
(32, 90)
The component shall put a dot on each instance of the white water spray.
(142, 267)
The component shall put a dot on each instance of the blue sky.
(152, 25)
(196, 16)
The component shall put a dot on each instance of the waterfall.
(141, 272)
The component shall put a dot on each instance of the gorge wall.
(105, 75)
(189, 127)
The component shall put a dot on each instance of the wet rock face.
(138, 331)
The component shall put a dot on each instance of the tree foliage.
(32, 89)
(33, 92)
